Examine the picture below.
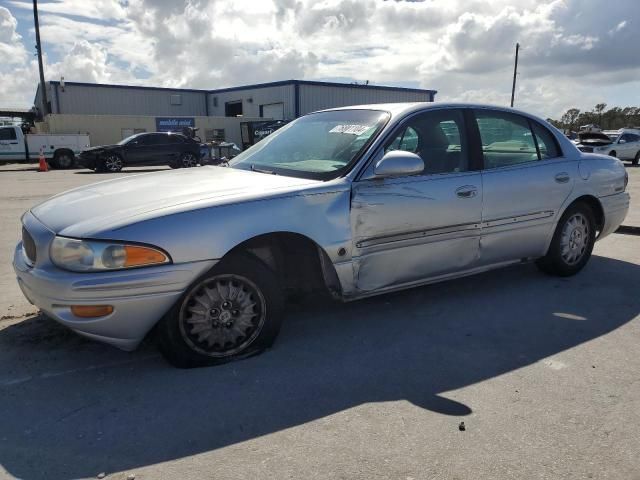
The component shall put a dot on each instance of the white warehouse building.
(111, 112)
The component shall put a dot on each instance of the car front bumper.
(139, 297)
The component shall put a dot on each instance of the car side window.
(8, 134)
(174, 139)
(634, 137)
(438, 137)
(547, 144)
(506, 139)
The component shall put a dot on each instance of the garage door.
(273, 110)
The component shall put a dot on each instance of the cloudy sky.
(573, 52)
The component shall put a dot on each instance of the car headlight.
(93, 256)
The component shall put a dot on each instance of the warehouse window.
(214, 135)
(176, 99)
(233, 109)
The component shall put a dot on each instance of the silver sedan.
(354, 202)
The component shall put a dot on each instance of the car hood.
(112, 204)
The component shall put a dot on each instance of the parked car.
(354, 201)
(156, 148)
(623, 144)
(59, 150)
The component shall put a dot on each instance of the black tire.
(559, 259)
(195, 332)
(112, 163)
(636, 159)
(613, 154)
(63, 160)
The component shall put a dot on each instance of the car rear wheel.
(636, 159)
(613, 154)
(63, 160)
(112, 163)
(188, 160)
(572, 242)
(232, 312)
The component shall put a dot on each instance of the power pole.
(43, 89)
(515, 72)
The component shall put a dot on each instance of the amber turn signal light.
(136, 256)
(91, 311)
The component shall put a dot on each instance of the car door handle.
(562, 177)
(467, 191)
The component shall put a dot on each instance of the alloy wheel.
(113, 163)
(189, 160)
(574, 239)
(222, 315)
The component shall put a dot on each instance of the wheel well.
(596, 208)
(301, 264)
(612, 153)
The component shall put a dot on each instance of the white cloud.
(571, 53)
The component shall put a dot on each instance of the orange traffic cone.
(43, 167)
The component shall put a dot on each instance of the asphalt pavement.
(543, 372)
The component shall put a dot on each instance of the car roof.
(402, 109)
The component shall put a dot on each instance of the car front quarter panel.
(320, 214)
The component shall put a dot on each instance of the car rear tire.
(63, 160)
(636, 159)
(613, 154)
(112, 163)
(188, 160)
(572, 242)
(233, 311)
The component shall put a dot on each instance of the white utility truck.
(60, 150)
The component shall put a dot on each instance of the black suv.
(157, 148)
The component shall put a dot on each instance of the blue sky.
(574, 53)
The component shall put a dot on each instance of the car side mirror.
(622, 141)
(398, 163)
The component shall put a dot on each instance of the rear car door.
(525, 179)
(411, 228)
(144, 150)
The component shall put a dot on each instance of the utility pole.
(515, 72)
(43, 89)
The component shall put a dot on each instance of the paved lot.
(542, 371)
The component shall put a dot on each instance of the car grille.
(29, 245)
(586, 149)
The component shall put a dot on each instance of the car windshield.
(320, 146)
(613, 136)
(124, 141)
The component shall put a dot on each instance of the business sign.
(173, 124)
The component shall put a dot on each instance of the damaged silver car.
(353, 201)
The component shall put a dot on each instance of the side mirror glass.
(622, 140)
(398, 163)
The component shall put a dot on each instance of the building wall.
(108, 129)
(258, 96)
(102, 100)
(319, 97)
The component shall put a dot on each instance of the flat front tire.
(572, 242)
(233, 311)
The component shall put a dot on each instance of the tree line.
(611, 119)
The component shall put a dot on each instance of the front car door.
(410, 229)
(525, 179)
(627, 146)
(146, 149)
(10, 146)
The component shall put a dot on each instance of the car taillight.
(28, 245)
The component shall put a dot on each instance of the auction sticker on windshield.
(350, 129)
